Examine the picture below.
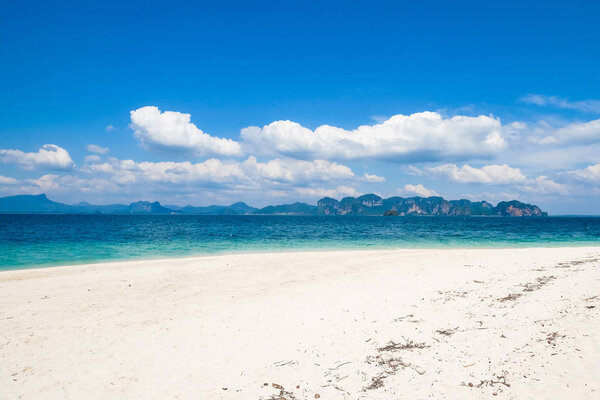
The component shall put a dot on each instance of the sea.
(31, 241)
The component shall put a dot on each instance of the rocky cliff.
(371, 204)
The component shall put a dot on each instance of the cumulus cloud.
(50, 183)
(488, 174)
(499, 175)
(94, 148)
(574, 133)
(338, 192)
(46, 182)
(297, 171)
(250, 173)
(173, 131)
(49, 156)
(309, 163)
(372, 178)
(210, 171)
(422, 136)
(561, 102)
(544, 185)
(416, 190)
(121, 172)
(591, 173)
(92, 158)
(5, 180)
(225, 179)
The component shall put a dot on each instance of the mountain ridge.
(367, 204)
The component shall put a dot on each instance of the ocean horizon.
(45, 240)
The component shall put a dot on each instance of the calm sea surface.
(45, 240)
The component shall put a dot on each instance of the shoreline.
(548, 245)
(368, 324)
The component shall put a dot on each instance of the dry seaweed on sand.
(407, 345)
(390, 365)
(447, 332)
(376, 382)
(569, 264)
(495, 380)
(283, 394)
(510, 297)
(551, 338)
(541, 281)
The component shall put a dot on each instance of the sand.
(414, 324)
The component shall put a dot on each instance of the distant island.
(368, 204)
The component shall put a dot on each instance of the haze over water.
(48, 240)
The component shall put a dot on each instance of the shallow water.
(46, 240)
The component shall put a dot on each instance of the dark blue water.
(44, 240)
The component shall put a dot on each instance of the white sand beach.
(414, 324)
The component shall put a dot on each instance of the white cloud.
(412, 170)
(49, 156)
(5, 180)
(94, 148)
(422, 136)
(379, 118)
(499, 175)
(307, 162)
(488, 174)
(46, 182)
(110, 128)
(171, 130)
(52, 183)
(553, 158)
(491, 197)
(297, 171)
(121, 172)
(591, 173)
(561, 102)
(278, 174)
(213, 180)
(338, 192)
(209, 171)
(574, 133)
(544, 185)
(92, 158)
(418, 190)
(372, 178)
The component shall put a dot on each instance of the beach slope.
(381, 324)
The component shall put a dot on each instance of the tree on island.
(391, 213)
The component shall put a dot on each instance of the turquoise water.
(46, 240)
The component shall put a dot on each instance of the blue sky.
(494, 101)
